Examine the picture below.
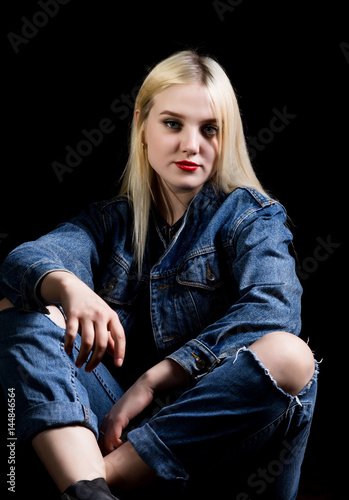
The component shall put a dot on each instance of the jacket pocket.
(120, 284)
(202, 271)
(206, 291)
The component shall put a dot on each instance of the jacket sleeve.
(73, 246)
(269, 292)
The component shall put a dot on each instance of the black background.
(66, 74)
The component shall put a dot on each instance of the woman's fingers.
(97, 323)
(71, 330)
(111, 431)
(118, 335)
(109, 441)
(111, 344)
(97, 334)
(87, 332)
(99, 347)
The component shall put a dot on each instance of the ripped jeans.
(233, 431)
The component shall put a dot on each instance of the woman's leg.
(69, 454)
(126, 470)
(61, 406)
(190, 429)
(288, 359)
(248, 405)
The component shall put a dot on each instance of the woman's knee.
(56, 316)
(288, 359)
(5, 304)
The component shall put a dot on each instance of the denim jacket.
(225, 278)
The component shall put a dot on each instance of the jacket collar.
(197, 216)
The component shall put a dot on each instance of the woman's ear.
(137, 113)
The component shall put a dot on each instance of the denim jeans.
(233, 428)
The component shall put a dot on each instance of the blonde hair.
(234, 167)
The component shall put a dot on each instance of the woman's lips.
(189, 166)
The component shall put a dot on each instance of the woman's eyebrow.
(172, 113)
(179, 115)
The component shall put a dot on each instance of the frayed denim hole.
(312, 380)
(266, 371)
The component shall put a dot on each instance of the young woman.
(186, 279)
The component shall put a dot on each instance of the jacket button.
(200, 363)
(108, 287)
(163, 287)
(209, 275)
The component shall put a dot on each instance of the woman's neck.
(171, 204)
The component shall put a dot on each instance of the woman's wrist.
(165, 375)
(51, 285)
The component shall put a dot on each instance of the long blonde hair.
(234, 167)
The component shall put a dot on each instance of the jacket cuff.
(28, 298)
(196, 358)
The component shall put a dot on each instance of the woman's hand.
(165, 375)
(132, 403)
(99, 325)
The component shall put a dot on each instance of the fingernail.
(119, 362)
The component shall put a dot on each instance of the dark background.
(83, 63)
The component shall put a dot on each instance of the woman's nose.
(190, 142)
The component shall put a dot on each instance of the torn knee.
(5, 304)
(288, 359)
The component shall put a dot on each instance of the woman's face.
(181, 136)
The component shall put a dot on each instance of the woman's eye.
(210, 130)
(172, 124)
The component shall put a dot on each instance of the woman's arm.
(164, 376)
(59, 268)
(75, 246)
(269, 292)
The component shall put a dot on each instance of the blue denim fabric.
(224, 280)
(234, 427)
(49, 389)
(235, 430)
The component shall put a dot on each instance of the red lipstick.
(188, 166)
